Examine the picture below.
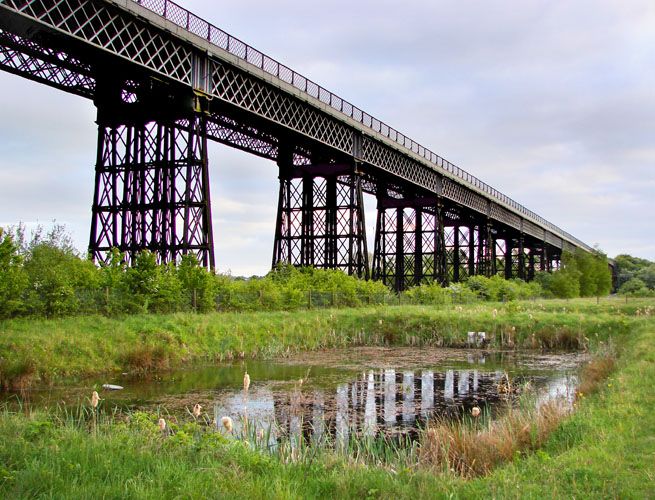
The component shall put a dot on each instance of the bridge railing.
(192, 23)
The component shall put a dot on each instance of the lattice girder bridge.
(165, 82)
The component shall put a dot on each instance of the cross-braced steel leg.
(320, 221)
(152, 191)
(409, 243)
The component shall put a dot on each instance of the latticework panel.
(553, 240)
(400, 165)
(257, 96)
(533, 230)
(320, 224)
(152, 192)
(111, 29)
(234, 133)
(408, 247)
(52, 67)
(567, 247)
(499, 256)
(464, 196)
(502, 215)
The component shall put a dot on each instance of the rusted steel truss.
(165, 82)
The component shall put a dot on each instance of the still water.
(337, 393)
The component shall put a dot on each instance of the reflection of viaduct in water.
(386, 401)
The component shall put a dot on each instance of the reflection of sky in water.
(386, 390)
(384, 399)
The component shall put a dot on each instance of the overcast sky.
(552, 102)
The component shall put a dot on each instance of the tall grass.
(604, 449)
(42, 351)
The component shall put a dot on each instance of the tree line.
(44, 276)
(634, 276)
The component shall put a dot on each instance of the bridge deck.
(170, 41)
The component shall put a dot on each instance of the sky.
(551, 102)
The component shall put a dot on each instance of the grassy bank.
(605, 448)
(42, 351)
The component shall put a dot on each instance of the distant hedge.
(46, 277)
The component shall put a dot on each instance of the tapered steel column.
(409, 241)
(320, 218)
(152, 190)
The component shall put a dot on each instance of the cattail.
(246, 382)
(227, 423)
(95, 399)
(475, 412)
(197, 409)
(162, 424)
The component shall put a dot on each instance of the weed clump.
(147, 358)
(470, 449)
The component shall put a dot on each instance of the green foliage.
(198, 286)
(636, 287)
(432, 293)
(55, 273)
(13, 280)
(603, 449)
(628, 267)
(46, 277)
(498, 289)
(583, 274)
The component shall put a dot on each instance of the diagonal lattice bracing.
(205, 61)
(152, 191)
(320, 221)
(52, 67)
(253, 103)
(409, 243)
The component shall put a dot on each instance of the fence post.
(195, 300)
(309, 299)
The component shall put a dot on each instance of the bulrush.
(95, 399)
(475, 411)
(246, 382)
(162, 424)
(197, 410)
(227, 423)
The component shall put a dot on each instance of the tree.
(627, 267)
(60, 282)
(634, 287)
(198, 284)
(647, 275)
(13, 280)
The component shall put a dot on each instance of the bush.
(635, 287)
(13, 280)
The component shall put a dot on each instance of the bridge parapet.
(216, 36)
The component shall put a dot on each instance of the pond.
(337, 393)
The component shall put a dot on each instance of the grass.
(606, 448)
(43, 351)
(472, 448)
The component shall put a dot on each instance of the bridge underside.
(152, 172)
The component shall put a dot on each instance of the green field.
(606, 448)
